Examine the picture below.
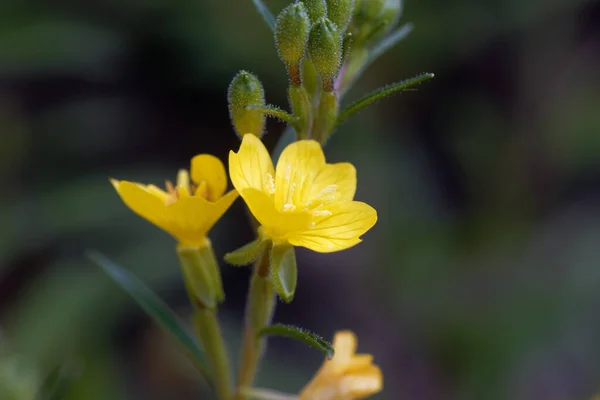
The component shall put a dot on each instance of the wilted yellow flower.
(304, 201)
(187, 210)
(348, 376)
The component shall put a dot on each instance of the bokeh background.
(480, 280)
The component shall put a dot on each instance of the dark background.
(480, 280)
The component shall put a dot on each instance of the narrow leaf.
(292, 332)
(381, 47)
(266, 13)
(380, 94)
(155, 307)
(276, 112)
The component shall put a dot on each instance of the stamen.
(321, 213)
(183, 179)
(170, 187)
(269, 183)
(289, 207)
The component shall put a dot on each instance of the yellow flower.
(304, 201)
(187, 211)
(348, 376)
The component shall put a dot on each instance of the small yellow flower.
(304, 201)
(187, 211)
(348, 376)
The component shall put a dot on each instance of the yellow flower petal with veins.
(304, 201)
(348, 376)
(187, 210)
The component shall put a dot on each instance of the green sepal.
(382, 93)
(292, 332)
(246, 254)
(201, 274)
(156, 308)
(284, 271)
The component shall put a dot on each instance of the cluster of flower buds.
(323, 45)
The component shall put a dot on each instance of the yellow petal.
(277, 224)
(143, 202)
(338, 231)
(342, 175)
(361, 385)
(192, 217)
(298, 165)
(251, 166)
(209, 169)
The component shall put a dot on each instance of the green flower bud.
(310, 77)
(246, 90)
(301, 106)
(369, 10)
(329, 108)
(291, 34)
(340, 12)
(366, 18)
(317, 9)
(387, 19)
(325, 50)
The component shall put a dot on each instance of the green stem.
(209, 333)
(259, 310)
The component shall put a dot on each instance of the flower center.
(185, 187)
(295, 193)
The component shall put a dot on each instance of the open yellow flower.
(304, 201)
(188, 210)
(347, 376)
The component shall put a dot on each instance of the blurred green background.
(480, 280)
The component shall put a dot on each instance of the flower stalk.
(203, 281)
(259, 312)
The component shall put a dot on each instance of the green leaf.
(292, 332)
(381, 47)
(380, 94)
(275, 112)
(155, 307)
(266, 13)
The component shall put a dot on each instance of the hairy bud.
(325, 50)
(246, 90)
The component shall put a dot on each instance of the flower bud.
(291, 34)
(369, 10)
(246, 90)
(301, 106)
(310, 77)
(389, 16)
(327, 117)
(340, 12)
(325, 50)
(317, 9)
